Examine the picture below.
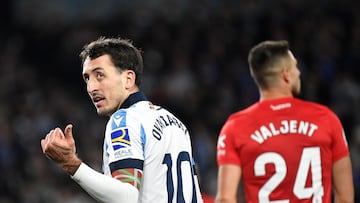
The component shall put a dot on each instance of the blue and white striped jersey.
(146, 137)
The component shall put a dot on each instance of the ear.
(130, 77)
(285, 74)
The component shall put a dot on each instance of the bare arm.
(343, 181)
(228, 183)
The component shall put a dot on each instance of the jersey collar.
(132, 99)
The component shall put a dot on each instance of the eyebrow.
(94, 70)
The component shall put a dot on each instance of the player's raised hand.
(60, 148)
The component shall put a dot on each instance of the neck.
(274, 93)
(133, 98)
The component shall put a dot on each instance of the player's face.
(105, 84)
(295, 76)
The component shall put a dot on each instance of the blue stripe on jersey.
(106, 146)
(143, 139)
(118, 119)
(126, 163)
(195, 170)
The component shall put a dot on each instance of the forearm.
(104, 188)
(343, 181)
(338, 199)
(229, 176)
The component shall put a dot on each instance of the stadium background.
(195, 65)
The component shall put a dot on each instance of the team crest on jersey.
(120, 138)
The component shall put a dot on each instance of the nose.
(92, 85)
(299, 72)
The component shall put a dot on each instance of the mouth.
(97, 100)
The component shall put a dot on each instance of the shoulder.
(128, 116)
(244, 114)
(310, 104)
(138, 109)
(141, 112)
(313, 107)
(318, 111)
(244, 117)
(117, 119)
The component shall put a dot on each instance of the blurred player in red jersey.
(283, 149)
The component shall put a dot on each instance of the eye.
(86, 78)
(99, 75)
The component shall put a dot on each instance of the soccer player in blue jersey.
(147, 154)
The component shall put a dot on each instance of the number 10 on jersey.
(182, 157)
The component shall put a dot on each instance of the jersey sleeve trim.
(228, 161)
(126, 163)
(340, 155)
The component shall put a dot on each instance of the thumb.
(43, 145)
(68, 132)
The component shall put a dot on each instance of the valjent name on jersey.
(284, 127)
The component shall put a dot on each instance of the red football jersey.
(285, 148)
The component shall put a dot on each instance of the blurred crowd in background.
(195, 56)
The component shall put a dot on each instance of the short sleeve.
(124, 133)
(339, 146)
(226, 145)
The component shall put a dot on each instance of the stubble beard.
(104, 112)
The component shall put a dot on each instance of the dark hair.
(122, 53)
(264, 58)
